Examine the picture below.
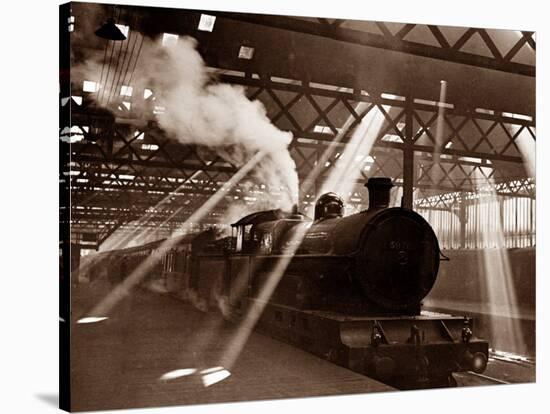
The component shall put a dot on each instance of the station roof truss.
(123, 170)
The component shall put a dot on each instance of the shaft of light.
(123, 289)
(497, 274)
(148, 232)
(331, 148)
(245, 328)
(348, 166)
(527, 147)
(440, 124)
(362, 139)
(209, 334)
(125, 240)
(254, 312)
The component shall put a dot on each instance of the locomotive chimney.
(379, 192)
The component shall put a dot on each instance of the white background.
(29, 199)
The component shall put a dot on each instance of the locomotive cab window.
(251, 238)
(247, 233)
(239, 239)
(266, 243)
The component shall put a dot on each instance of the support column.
(463, 218)
(65, 27)
(75, 263)
(408, 158)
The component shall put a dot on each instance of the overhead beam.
(387, 41)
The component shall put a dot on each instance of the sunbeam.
(347, 168)
(122, 289)
(440, 125)
(497, 275)
(525, 141)
(256, 306)
(362, 140)
(118, 241)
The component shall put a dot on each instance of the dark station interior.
(423, 136)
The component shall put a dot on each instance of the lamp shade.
(110, 31)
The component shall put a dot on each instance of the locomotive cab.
(262, 232)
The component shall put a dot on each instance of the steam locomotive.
(348, 289)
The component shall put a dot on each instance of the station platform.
(501, 300)
(154, 350)
(508, 328)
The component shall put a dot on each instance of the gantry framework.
(119, 165)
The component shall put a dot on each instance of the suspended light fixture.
(110, 31)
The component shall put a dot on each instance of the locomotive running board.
(428, 345)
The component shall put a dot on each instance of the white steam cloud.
(199, 110)
(220, 116)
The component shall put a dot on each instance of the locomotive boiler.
(382, 260)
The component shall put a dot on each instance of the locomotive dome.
(329, 205)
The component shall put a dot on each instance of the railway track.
(480, 379)
(502, 369)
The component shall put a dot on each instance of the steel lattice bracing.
(123, 173)
(439, 44)
(398, 58)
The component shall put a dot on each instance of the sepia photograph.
(258, 206)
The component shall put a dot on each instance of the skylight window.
(322, 129)
(392, 96)
(206, 23)
(246, 52)
(169, 39)
(425, 101)
(72, 134)
(392, 138)
(517, 116)
(485, 111)
(90, 86)
(147, 93)
(471, 159)
(126, 90)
